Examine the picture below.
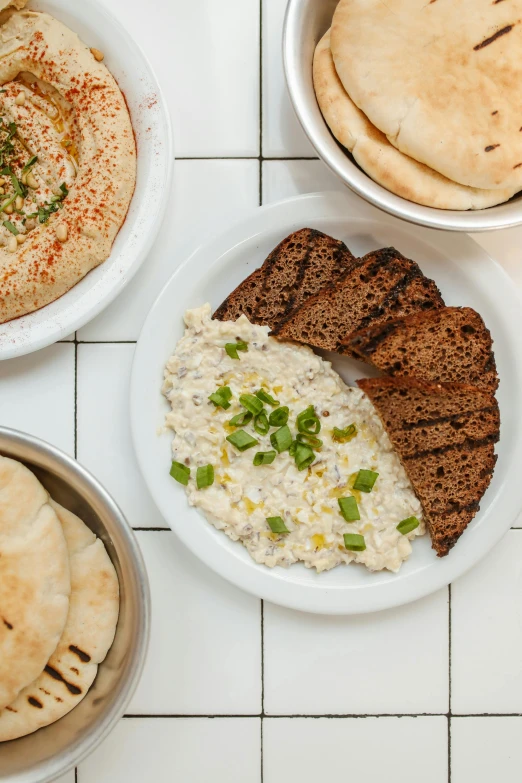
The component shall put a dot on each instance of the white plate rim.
(257, 579)
(93, 301)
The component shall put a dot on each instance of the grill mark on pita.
(10, 709)
(493, 37)
(491, 147)
(517, 165)
(7, 625)
(84, 658)
(496, 2)
(57, 676)
(34, 702)
(494, 112)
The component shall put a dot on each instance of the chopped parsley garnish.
(30, 163)
(11, 227)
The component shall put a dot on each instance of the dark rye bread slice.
(381, 285)
(243, 300)
(445, 436)
(450, 345)
(301, 264)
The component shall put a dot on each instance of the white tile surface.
(208, 196)
(391, 662)
(37, 395)
(486, 622)
(366, 750)
(206, 57)
(282, 133)
(68, 778)
(485, 750)
(286, 178)
(195, 750)
(104, 437)
(205, 652)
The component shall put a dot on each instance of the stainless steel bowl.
(48, 753)
(306, 22)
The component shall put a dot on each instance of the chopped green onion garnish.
(221, 397)
(251, 403)
(343, 436)
(304, 456)
(242, 440)
(279, 417)
(8, 201)
(310, 440)
(407, 525)
(354, 542)
(365, 480)
(308, 421)
(277, 525)
(241, 419)
(349, 508)
(63, 188)
(11, 227)
(233, 348)
(281, 439)
(264, 458)
(261, 424)
(204, 476)
(267, 398)
(180, 472)
(293, 448)
(29, 164)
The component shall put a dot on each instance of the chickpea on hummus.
(67, 160)
(280, 454)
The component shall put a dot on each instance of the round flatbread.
(87, 637)
(34, 579)
(442, 80)
(381, 160)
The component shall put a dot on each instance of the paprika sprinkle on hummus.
(67, 161)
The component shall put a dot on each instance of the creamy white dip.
(243, 495)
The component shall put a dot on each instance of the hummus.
(243, 495)
(67, 161)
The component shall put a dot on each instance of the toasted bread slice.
(445, 436)
(450, 345)
(243, 300)
(300, 265)
(373, 289)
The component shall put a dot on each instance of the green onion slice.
(204, 476)
(29, 164)
(281, 439)
(279, 417)
(304, 456)
(345, 435)
(277, 525)
(310, 440)
(308, 421)
(180, 472)
(264, 458)
(261, 424)
(11, 227)
(293, 448)
(354, 542)
(349, 508)
(241, 419)
(407, 525)
(242, 440)
(365, 480)
(233, 348)
(251, 403)
(220, 398)
(267, 398)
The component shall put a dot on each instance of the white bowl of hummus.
(85, 149)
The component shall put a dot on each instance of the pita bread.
(34, 579)
(378, 158)
(87, 637)
(442, 80)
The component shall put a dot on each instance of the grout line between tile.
(75, 396)
(250, 157)
(449, 683)
(106, 342)
(290, 717)
(76, 775)
(152, 529)
(260, 201)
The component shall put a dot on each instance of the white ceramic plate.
(150, 119)
(465, 274)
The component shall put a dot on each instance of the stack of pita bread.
(59, 604)
(426, 96)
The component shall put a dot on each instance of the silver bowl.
(306, 22)
(50, 752)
